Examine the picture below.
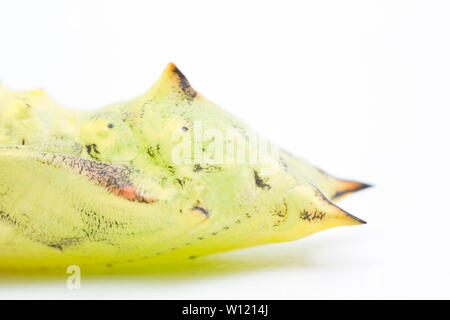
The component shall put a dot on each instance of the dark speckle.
(171, 169)
(56, 246)
(110, 125)
(180, 182)
(308, 216)
(206, 168)
(185, 128)
(92, 151)
(154, 151)
(260, 182)
(202, 210)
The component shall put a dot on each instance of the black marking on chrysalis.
(311, 216)
(206, 168)
(184, 84)
(260, 183)
(91, 149)
(202, 210)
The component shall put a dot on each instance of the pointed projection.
(346, 187)
(172, 81)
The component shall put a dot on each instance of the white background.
(359, 88)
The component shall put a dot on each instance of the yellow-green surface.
(102, 189)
